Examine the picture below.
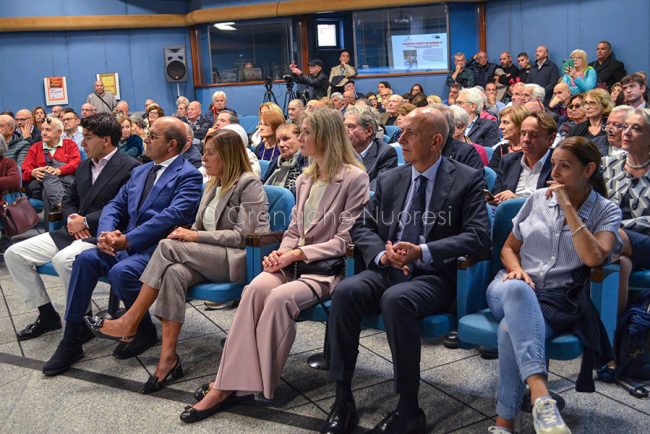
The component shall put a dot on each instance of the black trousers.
(402, 301)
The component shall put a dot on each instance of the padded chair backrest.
(390, 130)
(249, 123)
(400, 155)
(490, 177)
(386, 138)
(489, 150)
(264, 164)
(505, 212)
(281, 202)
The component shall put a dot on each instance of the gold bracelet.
(581, 227)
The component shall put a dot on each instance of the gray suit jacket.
(241, 210)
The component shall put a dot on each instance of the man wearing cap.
(316, 81)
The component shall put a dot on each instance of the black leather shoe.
(341, 419)
(39, 327)
(64, 357)
(141, 343)
(153, 385)
(95, 323)
(191, 415)
(393, 422)
(451, 341)
(200, 393)
(488, 353)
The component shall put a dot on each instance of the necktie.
(149, 183)
(415, 213)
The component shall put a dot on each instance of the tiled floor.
(102, 394)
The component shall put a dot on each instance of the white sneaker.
(498, 430)
(547, 419)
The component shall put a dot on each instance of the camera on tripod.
(268, 82)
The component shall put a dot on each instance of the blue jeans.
(522, 336)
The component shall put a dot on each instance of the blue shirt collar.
(430, 173)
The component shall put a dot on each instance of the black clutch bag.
(324, 267)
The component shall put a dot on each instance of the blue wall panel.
(463, 29)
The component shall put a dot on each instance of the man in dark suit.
(455, 149)
(421, 218)
(521, 173)
(158, 197)
(96, 182)
(481, 131)
(609, 69)
(361, 125)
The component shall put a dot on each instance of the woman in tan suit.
(330, 196)
(233, 205)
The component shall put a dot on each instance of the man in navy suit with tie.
(158, 197)
(422, 217)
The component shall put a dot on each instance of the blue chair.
(400, 155)
(281, 202)
(264, 165)
(489, 150)
(477, 327)
(386, 138)
(249, 123)
(490, 177)
(390, 130)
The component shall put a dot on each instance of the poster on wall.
(56, 91)
(421, 52)
(111, 82)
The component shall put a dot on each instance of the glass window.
(251, 50)
(401, 40)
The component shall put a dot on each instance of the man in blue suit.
(422, 217)
(158, 197)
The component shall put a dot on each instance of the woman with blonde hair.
(597, 105)
(233, 205)
(581, 77)
(308, 265)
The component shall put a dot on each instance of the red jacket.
(9, 178)
(68, 153)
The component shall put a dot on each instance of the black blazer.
(510, 170)
(379, 158)
(461, 223)
(88, 199)
(610, 71)
(484, 132)
(463, 153)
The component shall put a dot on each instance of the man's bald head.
(425, 132)
(24, 113)
(122, 108)
(99, 87)
(166, 139)
(194, 110)
(7, 127)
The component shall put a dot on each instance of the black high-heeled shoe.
(191, 415)
(154, 385)
(200, 393)
(96, 322)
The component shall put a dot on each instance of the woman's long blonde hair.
(230, 148)
(332, 141)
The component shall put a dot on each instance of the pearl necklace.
(637, 166)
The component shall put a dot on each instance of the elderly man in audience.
(50, 165)
(284, 169)
(461, 74)
(218, 103)
(57, 111)
(517, 94)
(122, 109)
(377, 156)
(103, 100)
(533, 97)
(560, 101)
(609, 69)
(224, 118)
(96, 182)
(481, 131)
(191, 151)
(410, 265)
(349, 99)
(181, 107)
(634, 89)
(337, 101)
(458, 150)
(294, 110)
(614, 128)
(87, 109)
(17, 147)
(71, 128)
(199, 123)
(157, 198)
(26, 127)
(461, 120)
(483, 70)
(521, 173)
(390, 117)
(384, 94)
(9, 173)
(544, 72)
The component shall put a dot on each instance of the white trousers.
(22, 259)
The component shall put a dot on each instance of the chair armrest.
(471, 282)
(260, 240)
(604, 295)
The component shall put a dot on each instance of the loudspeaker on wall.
(175, 64)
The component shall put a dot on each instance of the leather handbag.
(324, 267)
(18, 217)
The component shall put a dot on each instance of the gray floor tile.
(309, 337)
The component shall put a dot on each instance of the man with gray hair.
(57, 111)
(224, 118)
(337, 100)
(103, 100)
(50, 165)
(199, 123)
(295, 110)
(455, 149)
(481, 131)
(87, 109)
(377, 156)
(391, 114)
(122, 109)
(191, 151)
(17, 147)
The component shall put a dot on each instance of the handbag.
(18, 217)
(324, 267)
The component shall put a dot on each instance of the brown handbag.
(18, 217)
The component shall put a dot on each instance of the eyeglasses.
(22, 119)
(614, 125)
(574, 106)
(152, 136)
(634, 127)
(589, 103)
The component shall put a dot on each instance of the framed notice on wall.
(56, 91)
(111, 82)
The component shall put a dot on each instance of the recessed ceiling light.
(225, 26)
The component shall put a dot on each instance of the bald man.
(25, 126)
(411, 265)
(200, 124)
(17, 147)
(544, 72)
(122, 109)
(103, 100)
(87, 109)
(158, 197)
